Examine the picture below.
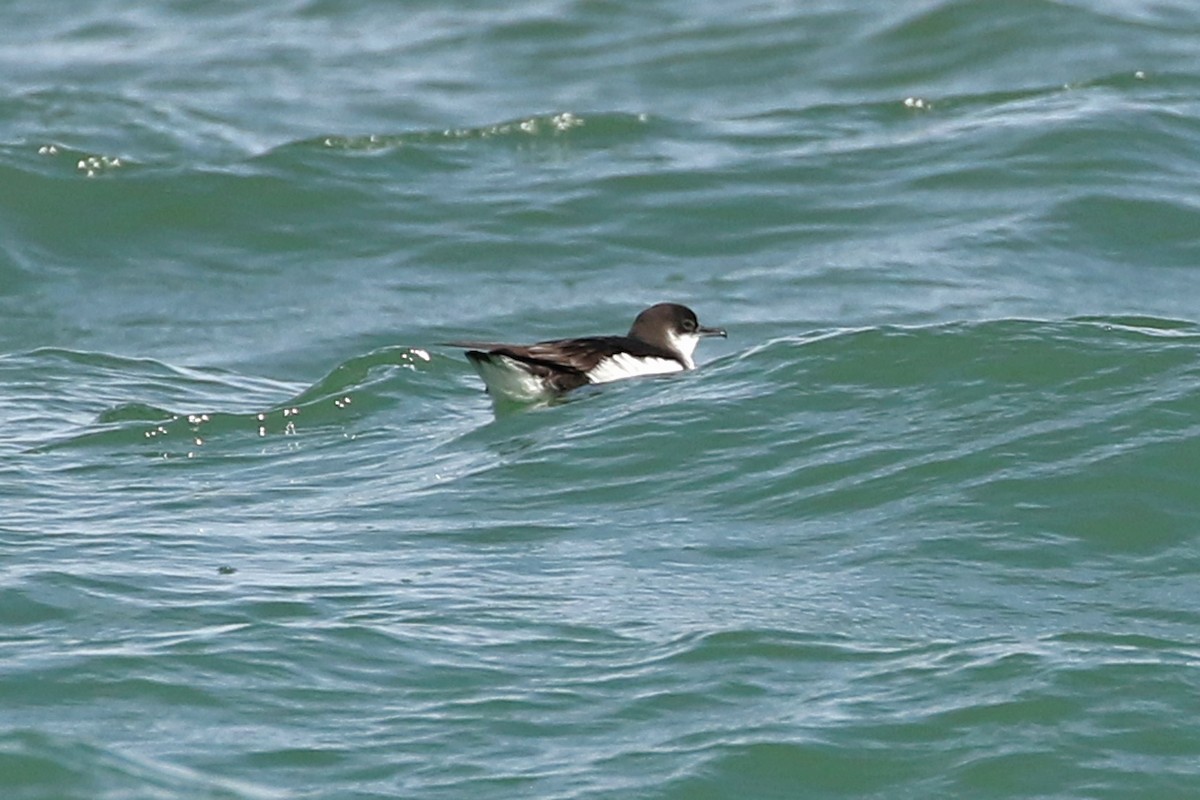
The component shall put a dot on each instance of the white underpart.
(622, 365)
(507, 377)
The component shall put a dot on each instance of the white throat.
(685, 345)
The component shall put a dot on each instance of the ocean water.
(926, 525)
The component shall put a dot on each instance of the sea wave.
(1058, 422)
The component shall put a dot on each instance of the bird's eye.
(689, 325)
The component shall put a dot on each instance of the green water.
(924, 525)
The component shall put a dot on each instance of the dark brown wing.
(581, 355)
(564, 363)
(556, 377)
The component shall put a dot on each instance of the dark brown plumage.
(661, 340)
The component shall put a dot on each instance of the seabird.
(662, 340)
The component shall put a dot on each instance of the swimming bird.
(662, 340)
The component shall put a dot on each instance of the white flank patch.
(506, 377)
(623, 365)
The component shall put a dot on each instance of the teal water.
(925, 525)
